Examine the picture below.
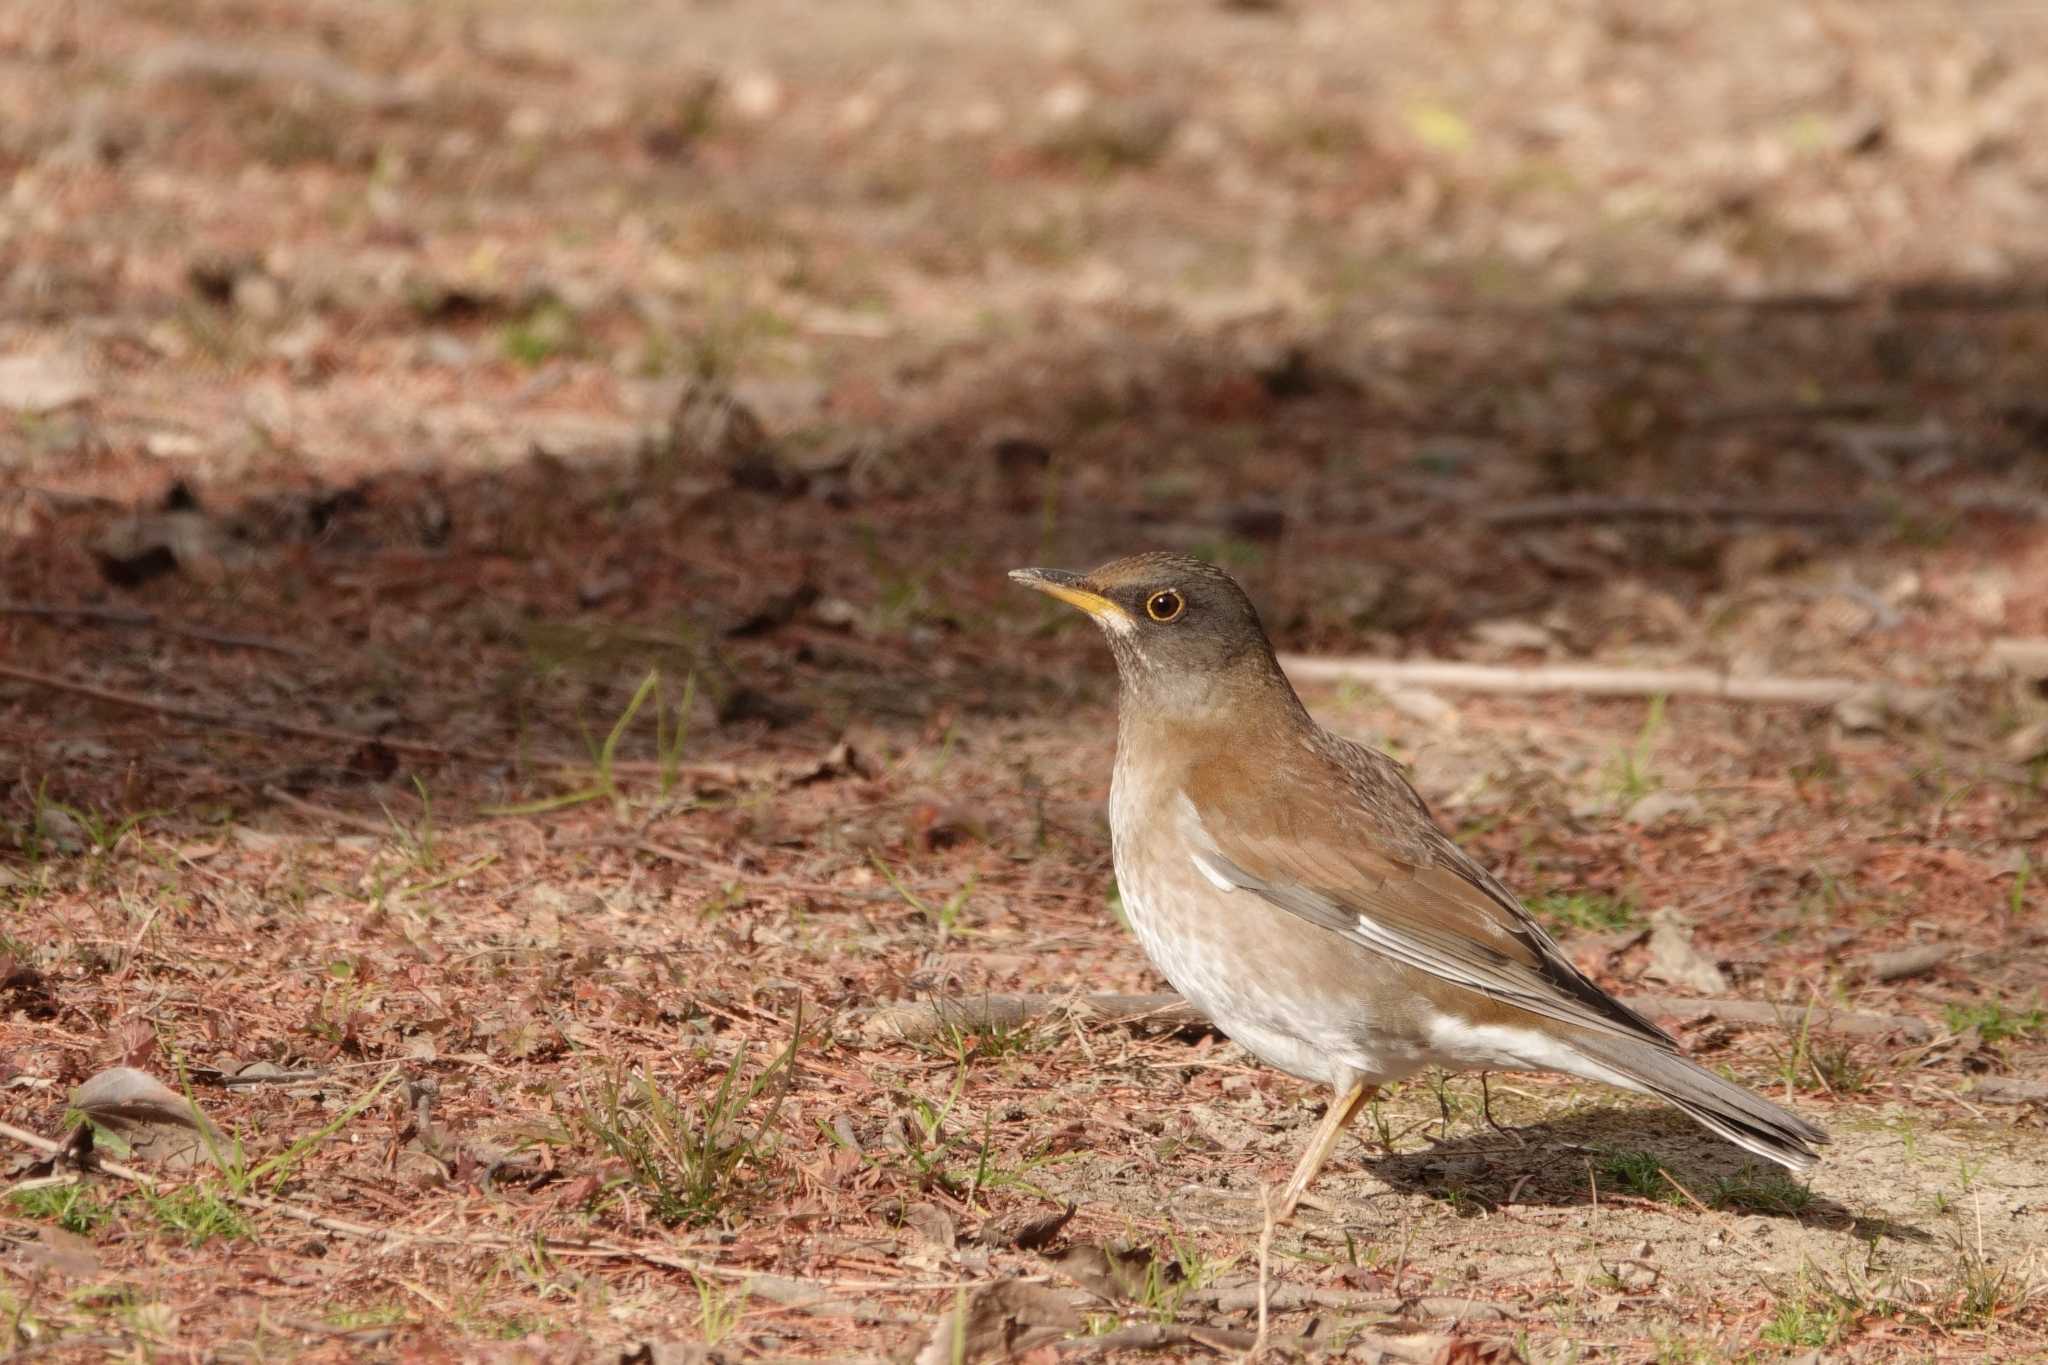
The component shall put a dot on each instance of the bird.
(1295, 888)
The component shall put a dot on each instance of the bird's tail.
(1742, 1116)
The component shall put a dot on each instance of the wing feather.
(1363, 872)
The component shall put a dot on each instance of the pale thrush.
(1293, 886)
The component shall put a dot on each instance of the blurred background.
(427, 321)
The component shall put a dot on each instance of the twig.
(149, 620)
(212, 1076)
(222, 721)
(1905, 298)
(149, 920)
(1593, 681)
(924, 1020)
(1900, 963)
(1407, 1241)
(646, 846)
(328, 813)
(49, 1147)
(1550, 511)
(1265, 1268)
(1290, 1298)
(1153, 1336)
(1692, 1198)
(722, 772)
(2022, 656)
(477, 1241)
(1854, 1023)
(921, 1021)
(375, 1335)
(2009, 1090)
(58, 1341)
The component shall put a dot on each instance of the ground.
(505, 510)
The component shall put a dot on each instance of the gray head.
(1184, 634)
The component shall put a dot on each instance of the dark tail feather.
(1742, 1116)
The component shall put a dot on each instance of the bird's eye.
(1165, 606)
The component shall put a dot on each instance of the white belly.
(1241, 962)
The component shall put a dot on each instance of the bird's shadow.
(1615, 1155)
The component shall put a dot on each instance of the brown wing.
(1376, 870)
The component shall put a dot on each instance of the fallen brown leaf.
(1001, 1320)
(156, 1122)
(66, 1253)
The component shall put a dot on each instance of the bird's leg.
(1344, 1106)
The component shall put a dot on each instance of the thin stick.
(50, 1148)
(1854, 1023)
(332, 816)
(260, 726)
(148, 620)
(2010, 1090)
(218, 720)
(1551, 511)
(646, 846)
(1407, 1240)
(484, 1241)
(1692, 1198)
(921, 1021)
(1265, 1269)
(1594, 681)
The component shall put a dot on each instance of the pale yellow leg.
(1344, 1107)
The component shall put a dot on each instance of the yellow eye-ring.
(1165, 605)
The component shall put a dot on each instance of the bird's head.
(1183, 632)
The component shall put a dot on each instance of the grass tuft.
(1762, 1189)
(1586, 912)
(1994, 1023)
(73, 1208)
(1765, 1190)
(687, 1157)
(1808, 1320)
(1640, 1174)
(197, 1212)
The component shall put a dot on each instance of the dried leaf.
(671, 1353)
(841, 760)
(711, 429)
(137, 1041)
(1659, 806)
(775, 612)
(2020, 657)
(24, 988)
(1027, 1231)
(665, 1353)
(1673, 957)
(43, 383)
(1901, 963)
(1113, 1272)
(156, 1122)
(136, 549)
(1001, 1320)
(931, 1222)
(1471, 1351)
(751, 703)
(2028, 743)
(66, 1253)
